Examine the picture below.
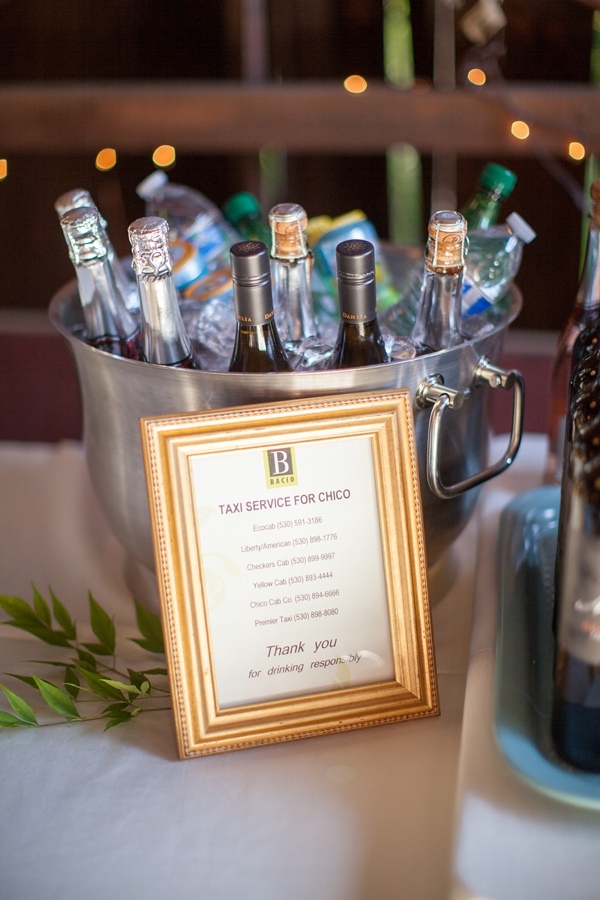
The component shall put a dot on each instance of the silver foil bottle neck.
(85, 236)
(151, 256)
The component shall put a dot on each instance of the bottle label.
(474, 301)
(209, 239)
(580, 613)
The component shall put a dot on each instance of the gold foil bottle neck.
(288, 223)
(84, 234)
(446, 246)
(150, 252)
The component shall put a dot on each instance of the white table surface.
(380, 813)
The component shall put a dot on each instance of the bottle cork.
(446, 246)
(288, 223)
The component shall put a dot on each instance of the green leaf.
(7, 720)
(118, 719)
(98, 684)
(102, 625)
(17, 608)
(115, 709)
(57, 699)
(85, 659)
(149, 625)
(41, 607)
(140, 680)
(38, 630)
(122, 686)
(20, 706)
(99, 649)
(72, 682)
(26, 679)
(157, 671)
(63, 617)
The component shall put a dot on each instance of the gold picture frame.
(291, 567)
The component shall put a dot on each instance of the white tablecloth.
(365, 815)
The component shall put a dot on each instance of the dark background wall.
(545, 40)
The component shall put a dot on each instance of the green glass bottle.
(359, 341)
(257, 347)
(243, 211)
(495, 184)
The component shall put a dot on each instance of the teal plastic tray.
(525, 649)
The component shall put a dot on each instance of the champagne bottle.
(438, 324)
(78, 197)
(576, 708)
(359, 341)
(583, 314)
(291, 264)
(108, 324)
(495, 184)
(164, 338)
(257, 347)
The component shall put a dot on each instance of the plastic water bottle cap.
(520, 227)
(147, 188)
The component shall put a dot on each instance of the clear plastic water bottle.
(192, 217)
(493, 260)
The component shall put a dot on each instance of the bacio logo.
(280, 467)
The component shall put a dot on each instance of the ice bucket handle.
(433, 392)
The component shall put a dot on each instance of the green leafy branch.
(89, 669)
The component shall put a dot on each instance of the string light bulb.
(355, 84)
(476, 76)
(520, 130)
(3, 169)
(164, 156)
(106, 159)
(576, 150)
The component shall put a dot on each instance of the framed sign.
(291, 569)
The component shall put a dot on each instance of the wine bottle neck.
(438, 320)
(164, 338)
(103, 306)
(588, 294)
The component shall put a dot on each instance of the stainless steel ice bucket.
(449, 391)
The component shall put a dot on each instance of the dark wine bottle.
(257, 347)
(583, 318)
(359, 341)
(576, 711)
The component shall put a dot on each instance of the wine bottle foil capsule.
(355, 260)
(251, 276)
(289, 224)
(75, 199)
(151, 255)
(84, 234)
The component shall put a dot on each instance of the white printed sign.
(293, 568)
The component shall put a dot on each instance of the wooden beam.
(301, 117)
